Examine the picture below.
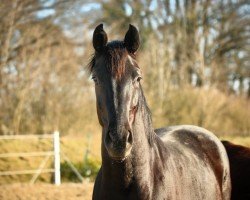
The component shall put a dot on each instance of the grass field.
(75, 148)
(44, 191)
(245, 141)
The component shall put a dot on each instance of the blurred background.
(194, 55)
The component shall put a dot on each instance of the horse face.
(116, 76)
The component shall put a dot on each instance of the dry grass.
(70, 191)
(74, 148)
(245, 141)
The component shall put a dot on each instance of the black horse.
(138, 162)
(239, 159)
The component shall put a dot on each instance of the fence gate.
(47, 154)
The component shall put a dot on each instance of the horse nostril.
(129, 137)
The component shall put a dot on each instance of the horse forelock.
(115, 57)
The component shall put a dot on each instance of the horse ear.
(100, 38)
(132, 39)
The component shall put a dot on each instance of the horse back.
(196, 143)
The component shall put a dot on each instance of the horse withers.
(138, 162)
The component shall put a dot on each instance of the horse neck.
(137, 165)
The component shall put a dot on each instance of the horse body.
(198, 159)
(186, 162)
(138, 162)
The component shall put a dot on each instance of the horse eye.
(138, 78)
(94, 79)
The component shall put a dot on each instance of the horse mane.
(115, 57)
(147, 117)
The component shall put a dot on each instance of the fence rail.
(55, 153)
(25, 137)
(27, 154)
(20, 172)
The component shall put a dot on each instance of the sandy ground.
(67, 191)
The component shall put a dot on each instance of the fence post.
(57, 158)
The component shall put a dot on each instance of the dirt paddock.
(67, 191)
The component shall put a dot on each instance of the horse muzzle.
(118, 144)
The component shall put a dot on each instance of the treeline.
(194, 57)
(200, 43)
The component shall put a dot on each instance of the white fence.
(47, 154)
